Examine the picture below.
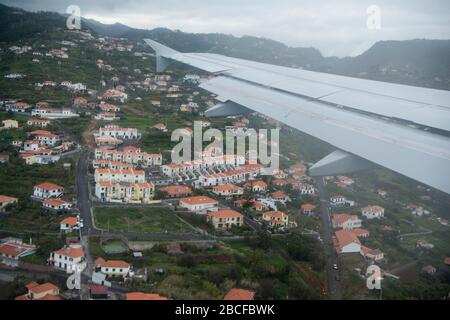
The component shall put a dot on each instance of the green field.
(149, 219)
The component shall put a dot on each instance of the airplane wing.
(403, 128)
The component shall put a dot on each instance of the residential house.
(199, 204)
(228, 190)
(424, 244)
(4, 157)
(161, 127)
(80, 102)
(112, 268)
(41, 292)
(70, 258)
(347, 242)
(361, 233)
(56, 205)
(375, 255)
(225, 219)
(176, 191)
(69, 224)
(276, 219)
(6, 201)
(373, 212)
(47, 190)
(12, 250)
(346, 222)
(341, 201)
(279, 196)
(10, 124)
(106, 116)
(257, 186)
(308, 209)
(42, 123)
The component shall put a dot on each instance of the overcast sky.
(334, 27)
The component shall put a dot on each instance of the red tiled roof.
(239, 294)
(49, 186)
(144, 296)
(199, 200)
(71, 221)
(225, 214)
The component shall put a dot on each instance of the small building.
(12, 250)
(4, 157)
(174, 249)
(48, 190)
(257, 186)
(228, 190)
(69, 224)
(56, 205)
(346, 222)
(176, 191)
(280, 196)
(341, 201)
(6, 201)
(199, 204)
(112, 268)
(161, 127)
(41, 123)
(373, 212)
(276, 219)
(347, 242)
(46, 291)
(225, 219)
(424, 245)
(10, 124)
(236, 294)
(308, 209)
(375, 255)
(70, 258)
(98, 292)
(361, 233)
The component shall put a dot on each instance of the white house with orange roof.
(199, 204)
(276, 219)
(70, 258)
(46, 138)
(236, 294)
(228, 190)
(106, 116)
(341, 201)
(346, 221)
(347, 242)
(257, 186)
(308, 209)
(6, 201)
(225, 219)
(13, 249)
(375, 255)
(279, 196)
(56, 205)
(48, 190)
(41, 292)
(107, 107)
(112, 268)
(69, 224)
(373, 212)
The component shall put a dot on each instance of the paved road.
(84, 201)
(331, 256)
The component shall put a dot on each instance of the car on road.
(335, 267)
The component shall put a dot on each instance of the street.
(330, 252)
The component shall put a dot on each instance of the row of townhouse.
(115, 176)
(117, 132)
(142, 192)
(114, 165)
(48, 113)
(176, 169)
(133, 157)
(239, 175)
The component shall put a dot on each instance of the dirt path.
(87, 135)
